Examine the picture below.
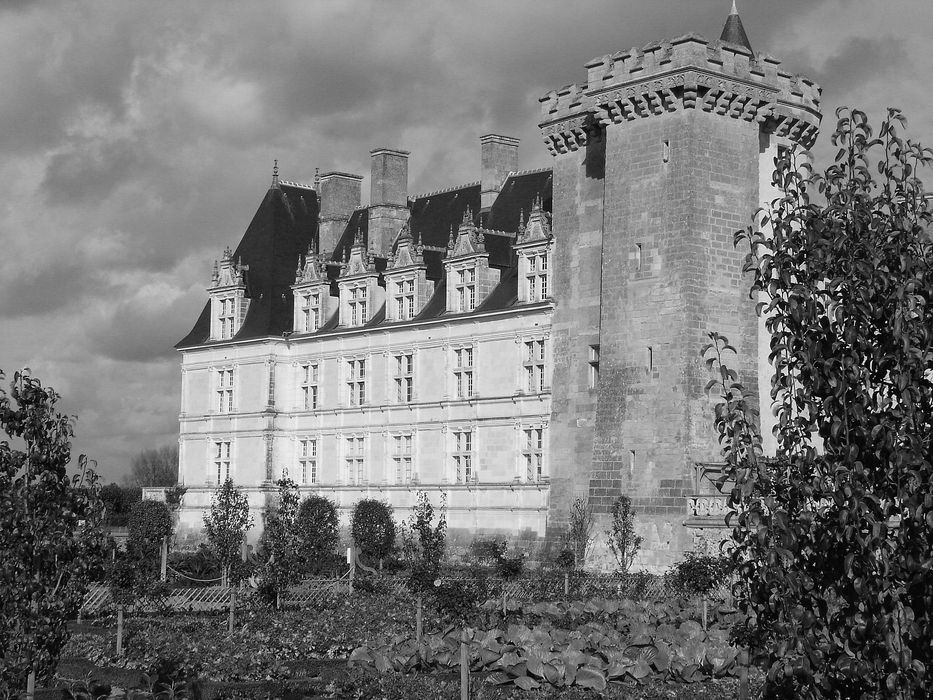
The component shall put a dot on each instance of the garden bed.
(565, 649)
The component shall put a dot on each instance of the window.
(358, 306)
(404, 295)
(404, 378)
(307, 460)
(354, 461)
(666, 150)
(225, 318)
(222, 460)
(463, 456)
(465, 289)
(401, 458)
(638, 256)
(310, 312)
(594, 366)
(463, 372)
(533, 454)
(225, 391)
(535, 377)
(308, 387)
(536, 278)
(356, 382)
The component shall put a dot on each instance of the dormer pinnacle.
(407, 252)
(360, 260)
(313, 270)
(228, 273)
(733, 32)
(467, 219)
(275, 174)
(538, 227)
(469, 240)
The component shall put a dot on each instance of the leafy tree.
(280, 540)
(227, 523)
(623, 542)
(148, 524)
(118, 500)
(174, 496)
(373, 528)
(424, 543)
(51, 538)
(318, 531)
(834, 535)
(154, 467)
(579, 535)
(698, 574)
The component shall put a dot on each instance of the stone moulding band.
(684, 90)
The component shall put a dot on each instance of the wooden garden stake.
(31, 685)
(743, 674)
(164, 559)
(419, 621)
(504, 610)
(232, 608)
(120, 630)
(566, 584)
(464, 666)
(704, 613)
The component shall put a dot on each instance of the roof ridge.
(530, 171)
(443, 191)
(292, 183)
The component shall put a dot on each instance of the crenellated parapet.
(686, 73)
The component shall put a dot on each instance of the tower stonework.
(658, 159)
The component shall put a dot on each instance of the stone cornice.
(689, 73)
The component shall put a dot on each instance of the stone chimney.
(340, 194)
(388, 202)
(500, 157)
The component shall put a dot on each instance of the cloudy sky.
(137, 139)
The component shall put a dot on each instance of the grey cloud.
(35, 292)
(89, 171)
(136, 331)
(861, 60)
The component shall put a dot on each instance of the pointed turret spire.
(275, 174)
(733, 32)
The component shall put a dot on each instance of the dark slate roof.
(285, 225)
(283, 228)
(434, 215)
(516, 199)
(359, 222)
(733, 32)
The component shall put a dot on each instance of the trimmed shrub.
(318, 531)
(148, 523)
(373, 529)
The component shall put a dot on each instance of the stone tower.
(659, 158)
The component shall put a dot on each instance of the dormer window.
(536, 276)
(465, 287)
(533, 246)
(228, 297)
(357, 304)
(310, 312)
(406, 280)
(313, 303)
(404, 299)
(225, 316)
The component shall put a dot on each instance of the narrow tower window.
(638, 256)
(594, 366)
(631, 462)
(666, 151)
(649, 359)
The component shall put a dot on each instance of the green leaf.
(589, 677)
